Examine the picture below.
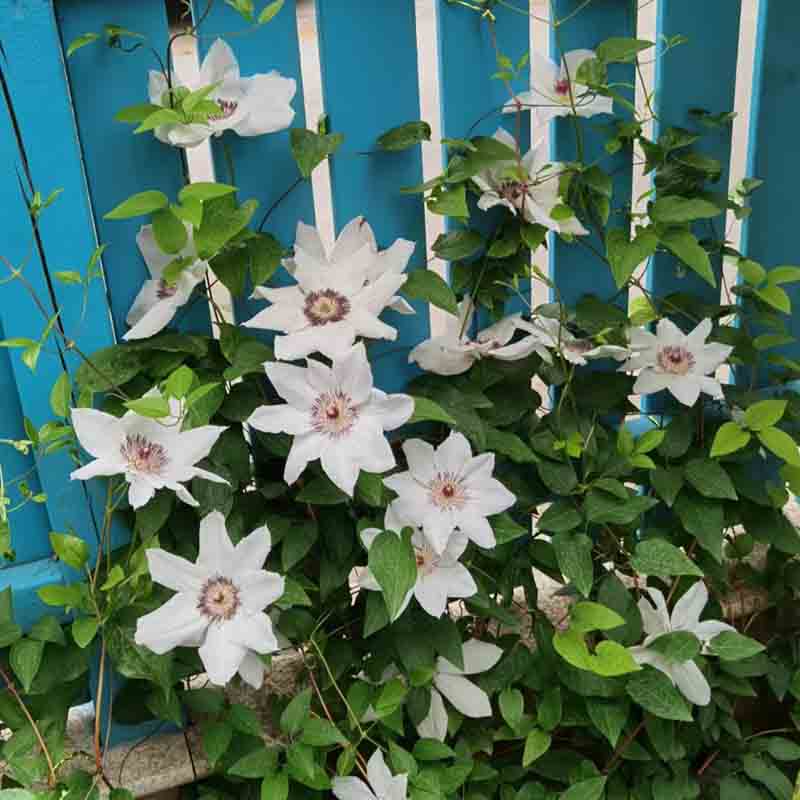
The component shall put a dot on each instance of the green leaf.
(311, 149)
(425, 284)
(764, 414)
(509, 444)
(81, 41)
(511, 707)
(25, 659)
(781, 749)
(733, 646)
(47, 629)
(677, 646)
(204, 190)
(763, 772)
(269, 11)
(654, 693)
(457, 244)
(60, 396)
(621, 49)
(432, 750)
(154, 406)
(560, 517)
(295, 714)
(10, 633)
(84, 630)
(608, 716)
(683, 209)
(275, 787)
(70, 549)
(776, 297)
(734, 788)
(390, 699)
(138, 205)
(587, 616)
(319, 732)
(136, 113)
(574, 555)
(537, 743)
(392, 562)
(69, 277)
(662, 559)
(260, 763)
(728, 439)
(684, 245)
(405, 136)
(667, 482)
(170, 232)
(780, 443)
(244, 719)
(426, 410)
(322, 492)
(450, 201)
(216, 740)
(589, 789)
(710, 479)
(549, 710)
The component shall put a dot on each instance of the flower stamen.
(227, 108)
(447, 492)
(675, 359)
(219, 599)
(326, 306)
(334, 414)
(143, 455)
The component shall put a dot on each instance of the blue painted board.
(24, 580)
(263, 165)
(370, 84)
(117, 162)
(695, 75)
(29, 524)
(34, 71)
(775, 115)
(574, 268)
(467, 60)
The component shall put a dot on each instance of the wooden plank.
(29, 524)
(467, 60)
(118, 163)
(696, 76)
(263, 165)
(24, 580)
(34, 73)
(574, 268)
(767, 234)
(370, 84)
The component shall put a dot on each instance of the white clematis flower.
(465, 696)
(219, 603)
(454, 351)
(530, 189)
(555, 89)
(439, 576)
(677, 361)
(446, 489)
(355, 235)
(336, 298)
(382, 784)
(151, 454)
(570, 347)
(157, 301)
(248, 106)
(335, 415)
(686, 675)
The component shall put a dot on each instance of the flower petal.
(259, 588)
(392, 410)
(350, 788)
(305, 447)
(478, 657)
(251, 630)
(292, 384)
(194, 445)
(174, 572)
(99, 434)
(684, 388)
(280, 418)
(251, 670)
(351, 239)
(217, 553)
(477, 530)
(420, 456)
(267, 104)
(175, 624)
(220, 656)
(434, 726)
(353, 374)
(251, 552)
(219, 64)
(140, 491)
(453, 454)
(341, 465)
(691, 682)
(687, 611)
(465, 696)
(97, 468)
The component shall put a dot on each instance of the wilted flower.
(439, 576)
(686, 675)
(249, 106)
(335, 415)
(151, 454)
(334, 300)
(529, 188)
(382, 784)
(446, 489)
(455, 351)
(466, 697)
(677, 361)
(571, 348)
(219, 603)
(158, 301)
(555, 89)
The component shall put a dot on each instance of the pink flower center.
(447, 492)
(165, 290)
(226, 110)
(578, 346)
(561, 86)
(675, 360)
(334, 414)
(427, 560)
(143, 455)
(219, 599)
(325, 306)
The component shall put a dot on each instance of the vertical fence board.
(263, 165)
(467, 60)
(369, 81)
(34, 70)
(696, 75)
(767, 235)
(118, 163)
(24, 580)
(29, 533)
(574, 268)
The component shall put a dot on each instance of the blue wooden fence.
(59, 133)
